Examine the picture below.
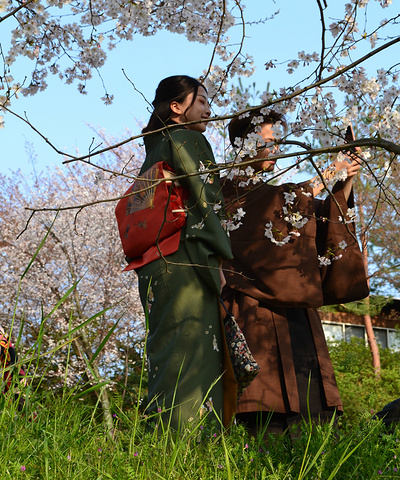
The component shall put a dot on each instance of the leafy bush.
(361, 391)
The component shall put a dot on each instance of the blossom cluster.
(84, 246)
(248, 176)
(294, 219)
(74, 49)
(332, 254)
(234, 221)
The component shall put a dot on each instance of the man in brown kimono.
(292, 254)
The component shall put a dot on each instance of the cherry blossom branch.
(328, 189)
(264, 105)
(296, 93)
(365, 142)
(310, 153)
(339, 71)
(138, 91)
(385, 193)
(60, 152)
(218, 169)
(228, 68)
(219, 33)
(16, 10)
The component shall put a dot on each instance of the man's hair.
(241, 127)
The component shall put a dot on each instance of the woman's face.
(268, 136)
(185, 112)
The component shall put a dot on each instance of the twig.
(16, 10)
(321, 11)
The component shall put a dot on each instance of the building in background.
(341, 325)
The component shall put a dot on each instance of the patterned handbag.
(244, 365)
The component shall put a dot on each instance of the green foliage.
(372, 306)
(361, 392)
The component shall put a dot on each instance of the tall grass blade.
(101, 346)
(345, 456)
(86, 322)
(62, 300)
(92, 389)
(38, 248)
(227, 458)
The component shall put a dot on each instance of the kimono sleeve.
(344, 279)
(191, 154)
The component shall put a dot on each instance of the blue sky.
(64, 116)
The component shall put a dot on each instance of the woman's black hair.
(241, 127)
(171, 89)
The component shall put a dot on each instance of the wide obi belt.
(151, 215)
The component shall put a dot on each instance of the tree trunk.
(103, 395)
(376, 360)
(373, 345)
(84, 345)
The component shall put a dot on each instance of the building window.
(381, 337)
(354, 331)
(394, 340)
(385, 337)
(333, 331)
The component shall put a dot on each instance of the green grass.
(67, 439)
(67, 435)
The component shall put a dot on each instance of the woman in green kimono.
(181, 289)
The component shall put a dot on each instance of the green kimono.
(184, 343)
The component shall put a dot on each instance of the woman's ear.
(175, 108)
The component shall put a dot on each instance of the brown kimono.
(273, 292)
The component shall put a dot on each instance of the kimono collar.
(150, 141)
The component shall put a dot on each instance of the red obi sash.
(151, 215)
